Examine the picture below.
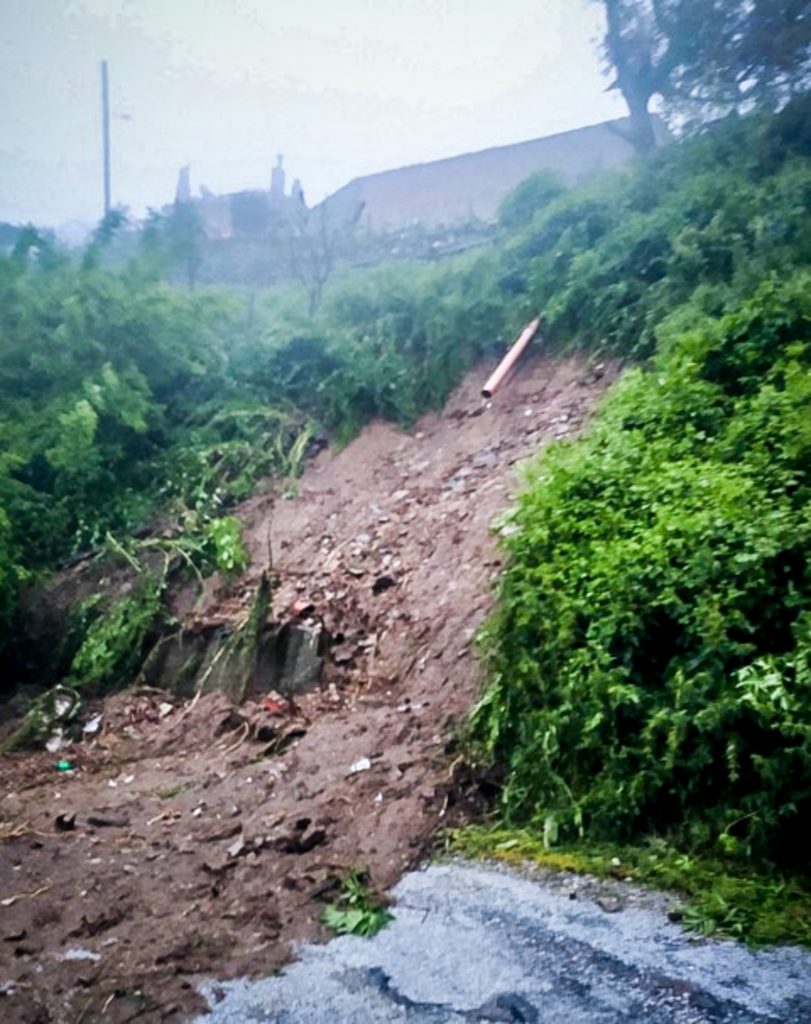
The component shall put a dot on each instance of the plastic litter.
(62, 705)
(274, 703)
(55, 742)
(80, 954)
(93, 726)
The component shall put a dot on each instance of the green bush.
(651, 652)
(710, 217)
(533, 194)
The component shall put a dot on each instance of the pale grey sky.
(342, 88)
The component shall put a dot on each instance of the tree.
(106, 230)
(174, 241)
(312, 244)
(752, 53)
(706, 57)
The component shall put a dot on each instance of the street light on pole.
(105, 131)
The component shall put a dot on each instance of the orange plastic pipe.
(507, 364)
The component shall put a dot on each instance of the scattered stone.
(610, 904)
(344, 654)
(227, 832)
(236, 848)
(485, 460)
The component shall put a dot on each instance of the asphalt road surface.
(472, 943)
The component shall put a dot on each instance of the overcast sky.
(340, 87)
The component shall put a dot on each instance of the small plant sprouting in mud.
(354, 911)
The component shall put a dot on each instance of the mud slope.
(205, 837)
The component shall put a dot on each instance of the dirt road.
(197, 838)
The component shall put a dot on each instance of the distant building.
(441, 194)
(473, 185)
(277, 179)
(250, 214)
(183, 189)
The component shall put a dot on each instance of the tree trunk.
(629, 49)
(642, 136)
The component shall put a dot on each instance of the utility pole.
(105, 130)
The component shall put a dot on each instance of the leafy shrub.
(404, 338)
(223, 538)
(651, 652)
(533, 194)
(113, 646)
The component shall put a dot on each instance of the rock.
(239, 846)
(344, 654)
(610, 904)
(299, 658)
(485, 460)
(225, 832)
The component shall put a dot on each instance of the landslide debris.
(206, 832)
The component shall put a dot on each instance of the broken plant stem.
(118, 548)
(9, 901)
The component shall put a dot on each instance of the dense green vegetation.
(650, 657)
(706, 220)
(130, 406)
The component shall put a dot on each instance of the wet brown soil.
(194, 838)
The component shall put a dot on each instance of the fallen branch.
(11, 831)
(9, 901)
(245, 729)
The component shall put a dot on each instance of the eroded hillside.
(193, 836)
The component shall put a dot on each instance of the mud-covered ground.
(193, 838)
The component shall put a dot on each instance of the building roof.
(473, 185)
